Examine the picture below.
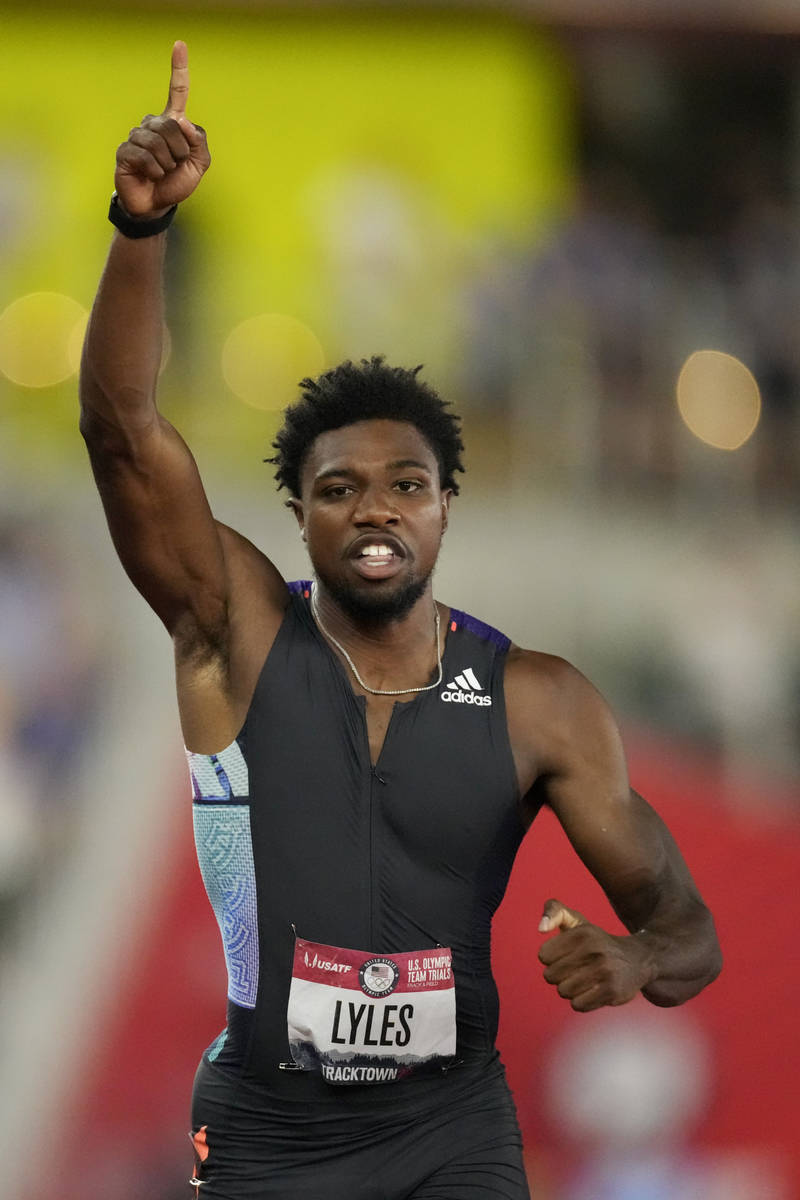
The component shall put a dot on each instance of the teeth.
(376, 551)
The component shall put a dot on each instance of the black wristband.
(131, 227)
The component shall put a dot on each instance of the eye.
(408, 485)
(338, 491)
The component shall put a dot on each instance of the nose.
(376, 507)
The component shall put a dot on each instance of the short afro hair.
(370, 390)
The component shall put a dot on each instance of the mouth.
(377, 557)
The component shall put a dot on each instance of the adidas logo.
(465, 689)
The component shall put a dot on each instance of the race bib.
(358, 1017)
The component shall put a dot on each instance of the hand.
(165, 157)
(589, 967)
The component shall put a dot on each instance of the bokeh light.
(265, 357)
(718, 399)
(40, 337)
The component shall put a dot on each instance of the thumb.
(557, 916)
(193, 133)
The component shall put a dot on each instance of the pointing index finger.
(178, 82)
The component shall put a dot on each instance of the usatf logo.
(325, 964)
(466, 689)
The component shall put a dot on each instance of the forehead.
(368, 446)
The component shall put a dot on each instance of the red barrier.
(128, 1128)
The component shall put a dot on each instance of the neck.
(384, 654)
(347, 618)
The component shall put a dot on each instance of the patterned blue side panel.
(220, 787)
(215, 1049)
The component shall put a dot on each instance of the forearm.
(653, 893)
(671, 951)
(123, 344)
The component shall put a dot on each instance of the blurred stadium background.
(582, 217)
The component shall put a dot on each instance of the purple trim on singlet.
(487, 633)
(480, 629)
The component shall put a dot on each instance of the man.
(364, 762)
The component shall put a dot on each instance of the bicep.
(619, 837)
(160, 522)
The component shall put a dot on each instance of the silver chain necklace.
(380, 691)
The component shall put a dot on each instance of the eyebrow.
(397, 465)
(408, 462)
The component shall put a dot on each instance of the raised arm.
(158, 514)
(671, 951)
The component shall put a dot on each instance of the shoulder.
(551, 705)
(532, 673)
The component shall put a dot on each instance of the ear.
(297, 508)
(447, 496)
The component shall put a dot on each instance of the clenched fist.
(166, 156)
(589, 967)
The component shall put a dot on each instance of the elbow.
(665, 998)
(102, 436)
(87, 423)
(117, 426)
(670, 993)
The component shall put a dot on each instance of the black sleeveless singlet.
(297, 830)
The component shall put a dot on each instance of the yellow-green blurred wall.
(466, 117)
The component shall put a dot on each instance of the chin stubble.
(361, 606)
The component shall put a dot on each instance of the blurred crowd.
(579, 344)
(682, 236)
(50, 670)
